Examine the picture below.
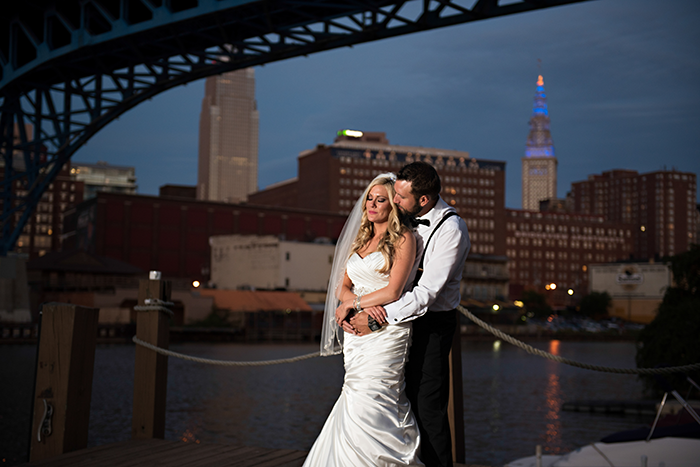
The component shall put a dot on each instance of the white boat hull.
(666, 452)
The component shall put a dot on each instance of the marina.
(512, 401)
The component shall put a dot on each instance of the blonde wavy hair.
(394, 232)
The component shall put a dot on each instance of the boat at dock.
(671, 441)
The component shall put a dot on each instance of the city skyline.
(621, 79)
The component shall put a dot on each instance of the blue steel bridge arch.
(70, 67)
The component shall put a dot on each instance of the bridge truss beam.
(68, 68)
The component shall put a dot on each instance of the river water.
(512, 400)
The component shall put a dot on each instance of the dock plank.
(158, 452)
(71, 458)
(222, 455)
(267, 459)
(176, 451)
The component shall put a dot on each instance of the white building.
(247, 261)
(636, 289)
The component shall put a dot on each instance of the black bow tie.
(416, 222)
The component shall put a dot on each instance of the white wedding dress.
(372, 423)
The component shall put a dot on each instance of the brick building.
(171, 235)
(551, 247)
(660, 206)
(42, 232)
(332, 177)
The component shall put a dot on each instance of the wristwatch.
(373, 324)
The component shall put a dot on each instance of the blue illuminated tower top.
(539, 140)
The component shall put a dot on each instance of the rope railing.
(210, 361)
(155, 304)
(500, 334)
(556, 358)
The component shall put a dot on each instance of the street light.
(570, 291)
(195, 284)
(496, 307)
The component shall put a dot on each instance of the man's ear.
(423, 201)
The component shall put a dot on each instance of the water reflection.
(496, 345)
(554, 401)
(512, 400)
(554, 347)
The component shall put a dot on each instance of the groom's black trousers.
(428, 383)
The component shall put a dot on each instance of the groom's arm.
(448, 253)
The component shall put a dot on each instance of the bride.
(371, 424)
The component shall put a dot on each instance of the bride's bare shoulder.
(408, 239)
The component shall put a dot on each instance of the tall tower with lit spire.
(539, 163)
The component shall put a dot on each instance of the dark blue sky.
(622, 79)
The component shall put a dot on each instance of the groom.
(430, 301)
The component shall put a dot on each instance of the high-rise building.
(332, 177)
(539, 164)
(660, 206)
(228, 138)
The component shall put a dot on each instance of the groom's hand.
(359, 323)
(347, 327)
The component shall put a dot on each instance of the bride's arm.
(345, 292)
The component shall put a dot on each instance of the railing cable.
(210, 361)
(500, 334)
(556, 358)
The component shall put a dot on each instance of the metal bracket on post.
(150, 368)
(63, 388)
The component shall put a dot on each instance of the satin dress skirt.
(371, 424)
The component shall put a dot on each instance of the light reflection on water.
(554, 401)
(512, 400)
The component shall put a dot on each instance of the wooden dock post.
(151, 368)
(65, 366)
(455, 409)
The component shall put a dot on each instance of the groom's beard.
(407, 218)
(405, 214)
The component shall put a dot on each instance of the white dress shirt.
(438, 287)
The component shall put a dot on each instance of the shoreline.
(122, 335)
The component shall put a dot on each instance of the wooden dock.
(612, 407)
(157, 452)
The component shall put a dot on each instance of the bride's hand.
(378, 313)
(342, 311)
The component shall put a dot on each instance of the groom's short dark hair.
(423, 177)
